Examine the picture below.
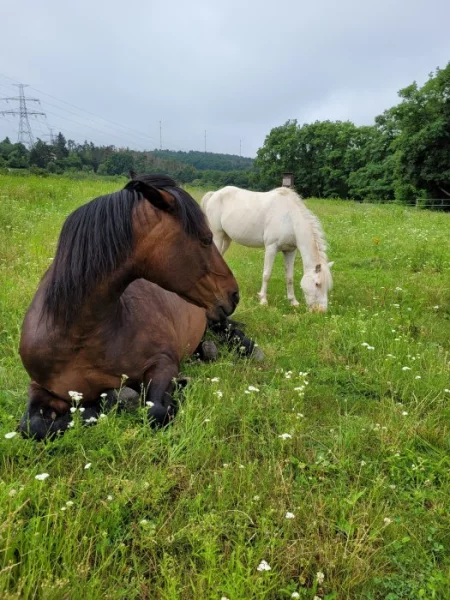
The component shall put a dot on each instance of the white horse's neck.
(309, 236)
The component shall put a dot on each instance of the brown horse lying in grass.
(96, 315)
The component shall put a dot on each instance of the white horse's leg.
(269, 258)
(226, 241)
(289, 258)
(219, 240)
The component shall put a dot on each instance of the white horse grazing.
(280, 221)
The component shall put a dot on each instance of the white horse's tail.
(205, 199)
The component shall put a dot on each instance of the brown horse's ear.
(153, 195)
(318, 268)
(132, 174)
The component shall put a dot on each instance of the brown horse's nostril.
(235, 298)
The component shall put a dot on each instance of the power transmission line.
(97, 118)
(25, 135)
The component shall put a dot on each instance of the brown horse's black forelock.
(186, 210)
(98, 236)
(94, 240)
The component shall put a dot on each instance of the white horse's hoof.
(263, 302)
(295, 302)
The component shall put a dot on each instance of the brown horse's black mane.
(98, 236)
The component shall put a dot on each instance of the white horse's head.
(316, 283)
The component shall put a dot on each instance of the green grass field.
(190, 512)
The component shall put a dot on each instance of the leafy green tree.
(422, 147)
(41, 154)
(59, 147)
(118, 163)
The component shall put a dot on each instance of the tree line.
(67, 157)
(404, 156)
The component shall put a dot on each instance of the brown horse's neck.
(100, 306)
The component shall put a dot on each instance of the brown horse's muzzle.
(224, 308)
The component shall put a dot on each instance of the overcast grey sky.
(236, 68)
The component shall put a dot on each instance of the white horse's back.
(253, 219)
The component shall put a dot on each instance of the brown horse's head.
(173, 247)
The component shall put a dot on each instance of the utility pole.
(240, 148)
(51, 135)
(25, 134)
(160, 135)
(205, 141)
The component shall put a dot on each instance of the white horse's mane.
(317, 232)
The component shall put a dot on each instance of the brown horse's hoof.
(43, 424)
(209, 352)
(161, 415)
(257, 354)
(124, 398)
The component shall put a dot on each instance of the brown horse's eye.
(207, 241)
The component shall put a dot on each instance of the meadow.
(321, 473)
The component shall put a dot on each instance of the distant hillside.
(208, 161)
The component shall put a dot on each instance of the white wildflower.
(264, 566)
(73, 409)
(206, 420)
(219, 393)
(404, 413)
(41, 476)
(87, 465)
(289, 515)
(215, 380)
(143, 522)
(363, 463)
(103, 395)
(102, 416)
(320, 577)
(387, 521)
(70, 424)
(10, 435)
(256, 498)
(406, 368)
(91, 420)
(417, 377)
(149, 404)
(252, 388)
(295, 595)
(69, 503)
(81, 409)
(285, 436)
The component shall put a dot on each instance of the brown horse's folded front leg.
(46, 415)
(159, 386)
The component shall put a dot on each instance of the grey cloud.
(233, 68)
